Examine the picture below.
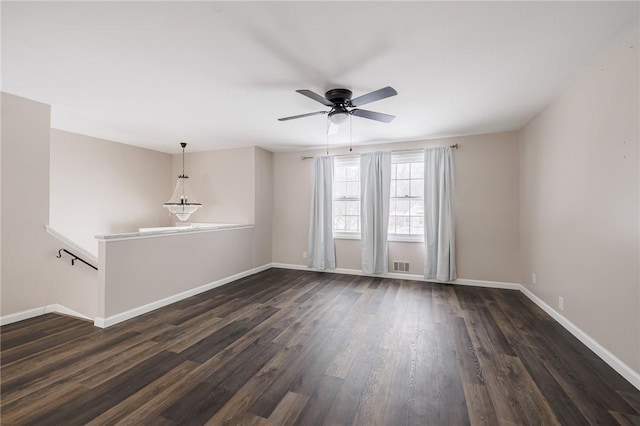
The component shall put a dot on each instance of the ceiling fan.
(342, 106)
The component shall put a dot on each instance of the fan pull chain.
(350, 148)
(328, 124)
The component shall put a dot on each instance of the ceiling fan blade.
(372, 115)
(302, 115)
(315, 97)
(376, 95)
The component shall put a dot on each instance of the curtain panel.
(321, 251)
(439, 227)
(375, 188)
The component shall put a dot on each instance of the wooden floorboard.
(287, 347)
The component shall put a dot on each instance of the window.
(406, 210)
(346, 197)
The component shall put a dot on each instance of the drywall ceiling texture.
(219, 74)
(99, 187)
(486, 179)
(580, 203)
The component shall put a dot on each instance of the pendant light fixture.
(182, 203)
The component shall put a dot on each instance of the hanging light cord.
(350, 148)
(183, 145)
(328, 124)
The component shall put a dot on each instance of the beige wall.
(25, 203)
(579, 192)
(223, 181)
(101, 187)
(88, 178)
(263, 206)
(486, 173)
(32, 276)
(234, 186)
(72, 286)
(135, 272)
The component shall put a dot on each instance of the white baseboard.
(413, 277)
(613, 361)
(123, 316)
(487, 284)
(57, 308)
(23, 315)
(346, 271)
(36, 312)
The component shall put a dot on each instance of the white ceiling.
(219, 74)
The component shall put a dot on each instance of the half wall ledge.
(171, 230)
(142, 271)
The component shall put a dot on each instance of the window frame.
(409, 157)
(346, 161)
(413, 156)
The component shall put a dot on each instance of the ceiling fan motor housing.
(339, 96)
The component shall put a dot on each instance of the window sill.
(406, 238)
(394, 238)
(345, 236)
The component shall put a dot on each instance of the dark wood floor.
(291, 347)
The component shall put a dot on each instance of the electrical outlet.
(561, 303)
(304, 254)
(533, 278)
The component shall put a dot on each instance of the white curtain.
(439, 229)
(375, 184)
(321, 252)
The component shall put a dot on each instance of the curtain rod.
(454, 146)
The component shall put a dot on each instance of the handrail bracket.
(74, 258)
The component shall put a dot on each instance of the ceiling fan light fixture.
(338, 117)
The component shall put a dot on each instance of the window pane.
(353, 173)
(346, 181)
(402, 207)
(402, 188)
(353, 189)
(352, 223)
(417, 170)
(407, 180)
(353, 208)
(403, 171)
(417, 208)
(417, 225)
(402, 225)
(417, 187)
